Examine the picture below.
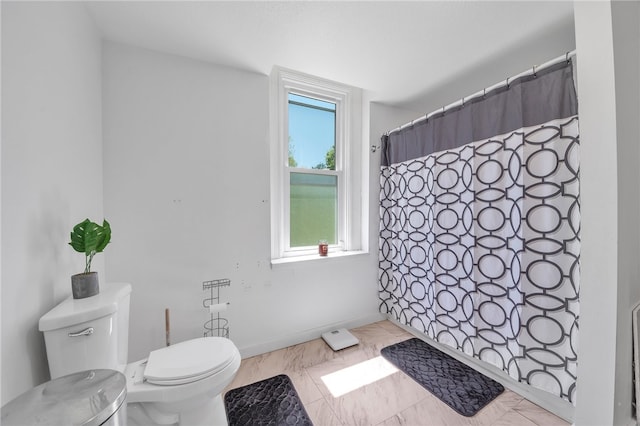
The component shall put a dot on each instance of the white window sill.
(316, 257)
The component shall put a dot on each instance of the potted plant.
(89, 238)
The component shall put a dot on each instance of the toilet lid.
(189, 361)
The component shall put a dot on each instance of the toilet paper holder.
(215, 325)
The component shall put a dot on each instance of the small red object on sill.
(323, 248)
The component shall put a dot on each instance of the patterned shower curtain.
(480, 229)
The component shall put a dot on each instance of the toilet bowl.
(178, 384)
(168, 390)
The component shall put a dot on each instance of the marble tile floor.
(356, 386)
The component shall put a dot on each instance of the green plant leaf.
(104, 236)
(81, 237)
(90, 238)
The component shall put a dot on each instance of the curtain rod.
(483, 92)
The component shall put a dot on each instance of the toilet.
(178, 384)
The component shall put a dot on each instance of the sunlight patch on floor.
(351, 378)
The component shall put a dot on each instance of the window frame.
(348, 139)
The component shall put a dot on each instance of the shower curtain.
(480, 228)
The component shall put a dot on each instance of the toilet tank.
(89, 333)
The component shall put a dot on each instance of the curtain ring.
(484, 93)
(534, 71)
(567, 57)
(507, 82)
(463, 102)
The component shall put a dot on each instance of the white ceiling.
(398, 51)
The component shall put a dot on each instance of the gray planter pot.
(84, 285)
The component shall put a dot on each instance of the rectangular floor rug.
(454, 383)
(273, 401)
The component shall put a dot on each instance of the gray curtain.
(528, 101)
(480, 229)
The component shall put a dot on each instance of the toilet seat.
(189, 361)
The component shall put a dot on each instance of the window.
(315, 166)
(313, 177)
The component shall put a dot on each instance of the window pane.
(313, 209)
(312, 133)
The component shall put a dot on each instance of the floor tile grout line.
(324, 397)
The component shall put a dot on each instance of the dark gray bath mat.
(457, 385)
(273, 401)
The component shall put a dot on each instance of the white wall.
(608, 44)
(51, 170)
(626, 45)
(556, 39)
(599, 200)
(186, 164)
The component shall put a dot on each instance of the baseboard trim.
(549, 402)
(306, 335)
